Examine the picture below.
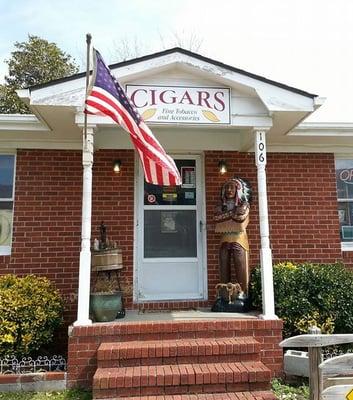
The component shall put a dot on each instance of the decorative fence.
(336, 371)
(11, 365)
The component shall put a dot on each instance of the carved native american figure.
(232, 218)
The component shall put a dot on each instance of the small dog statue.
(228, 291)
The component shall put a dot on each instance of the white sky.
(307, 44)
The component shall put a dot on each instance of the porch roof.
(181, 51)
(255, 102)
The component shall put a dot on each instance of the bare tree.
(129, 48)
(186, 40)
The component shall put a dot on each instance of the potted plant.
(106, 301)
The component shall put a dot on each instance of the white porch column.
(268, 306)
(84, 281)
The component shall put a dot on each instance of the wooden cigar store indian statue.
(232, 218)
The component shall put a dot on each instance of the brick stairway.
(182, 369)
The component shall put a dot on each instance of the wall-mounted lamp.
(117, 166)
(222, 167)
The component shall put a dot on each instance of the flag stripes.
(107, 98)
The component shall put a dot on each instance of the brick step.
(182, 351)
(180, 379)
(258, 395)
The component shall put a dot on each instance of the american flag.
(106, 97)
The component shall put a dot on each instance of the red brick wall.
(47, 220)
(113, 203)
(348, 259)
(302, 208)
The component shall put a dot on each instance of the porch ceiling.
(56, 129)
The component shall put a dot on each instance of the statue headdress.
(243, 190)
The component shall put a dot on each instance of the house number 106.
(260, 148)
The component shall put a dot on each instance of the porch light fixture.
(222, 167)
(117, 166)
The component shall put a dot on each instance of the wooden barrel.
(107, 260)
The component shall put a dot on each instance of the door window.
(174, 195)
(170, 233)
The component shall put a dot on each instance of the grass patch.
(73, 394)
(290, 392)
(281, 390)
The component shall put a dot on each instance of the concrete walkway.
(138, 316)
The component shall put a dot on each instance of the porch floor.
(138, 316)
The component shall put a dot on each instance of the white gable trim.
(323, 129)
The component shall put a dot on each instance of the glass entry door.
(170, 237)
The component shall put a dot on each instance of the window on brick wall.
(7, 173)
(344, 180)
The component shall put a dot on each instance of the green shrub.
(30, 310)
(310, 294)
(299, 391)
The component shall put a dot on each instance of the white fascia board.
(21, 122)
(308, 148)
(323, 129)
(37, 143)
(343, 155)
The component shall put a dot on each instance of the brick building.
(203, 112)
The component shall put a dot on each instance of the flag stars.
(106, 81)
(108, 98)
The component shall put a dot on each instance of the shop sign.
(181, 104)
(346, 176)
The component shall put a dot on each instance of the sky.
(307, 44)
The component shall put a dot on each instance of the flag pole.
(88, 41)
(84, 276)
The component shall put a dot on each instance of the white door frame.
(201, 229)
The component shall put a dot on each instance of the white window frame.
(345, 246)
(6, 250)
